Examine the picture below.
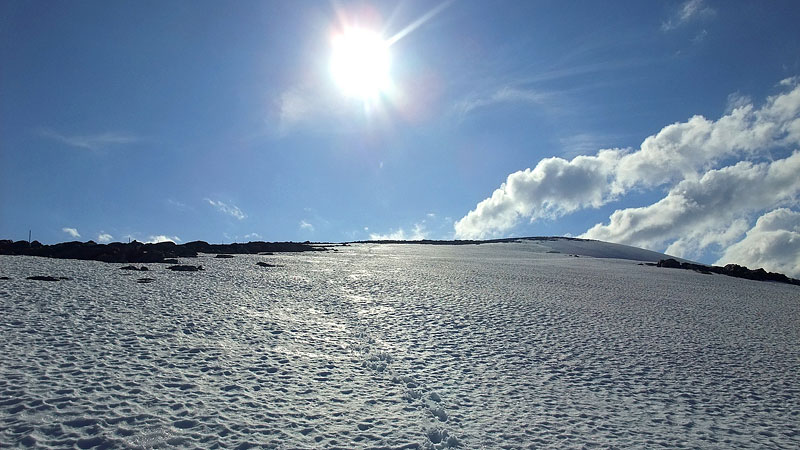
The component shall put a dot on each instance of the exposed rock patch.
(732, 270)
(185, 268)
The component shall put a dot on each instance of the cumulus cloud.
(306, 226)
(710, 210)
(553, 188)
(253, 236)
(681, 151)
(418, 233)
(231, 210)
(71, 231)
(162, 238)
(104, 237)
(687, 12)
(773, 243)
(90, 141)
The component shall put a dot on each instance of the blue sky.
(221, 121)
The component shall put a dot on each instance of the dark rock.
(224, 256)
(145, 280)
(4, 278)
(669, 263)
(263, 264)
(142, 269)
(46, 278)
(137, 252)
(185, 268)
(732, 270)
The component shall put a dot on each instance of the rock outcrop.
(731, 270)
(137, 252)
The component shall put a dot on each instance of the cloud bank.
(418, 233)
(709, 201)
(162, 238)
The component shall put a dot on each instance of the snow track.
(396, 346)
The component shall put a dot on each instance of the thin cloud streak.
(91, 141)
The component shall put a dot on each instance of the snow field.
(397, 346)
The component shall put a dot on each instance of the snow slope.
(396, 346)
(595, 249)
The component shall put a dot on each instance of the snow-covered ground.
(397, 346)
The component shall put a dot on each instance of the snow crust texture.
(396, 346)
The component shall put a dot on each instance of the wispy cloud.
(253, 236)
(687, 12)
(90, 141)
(104, 237)
(231, 210)
(306, 226)
(504, 94)
(585, 143)
(71, 231)
(177, 205)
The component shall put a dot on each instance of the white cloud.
(681, 151)
(162, 238)
(91, 141)
(773, 243)
(306, 226)
(231, 210)
(71, 231)
(253, 236)
(416, 234)
(688, 11)
(553, 188)
(104, 237)
(699, 213)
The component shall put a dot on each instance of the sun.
(360, 63)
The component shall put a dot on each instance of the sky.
(672, 126)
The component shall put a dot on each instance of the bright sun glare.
(360, 63)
